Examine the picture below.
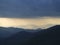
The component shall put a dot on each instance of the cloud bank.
(30, 23)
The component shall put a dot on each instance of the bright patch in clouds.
(43, 22)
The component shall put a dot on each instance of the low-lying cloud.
(43, 22)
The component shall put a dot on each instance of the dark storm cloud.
(29, 8)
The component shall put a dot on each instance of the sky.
(29, 13)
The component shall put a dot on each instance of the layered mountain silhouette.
(7, 32)
(50, 36)
(11, 35)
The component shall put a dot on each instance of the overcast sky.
(29, 8)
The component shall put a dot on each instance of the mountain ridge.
(48, 36)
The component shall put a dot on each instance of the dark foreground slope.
(50, 36)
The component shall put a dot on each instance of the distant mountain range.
(7, 32)
(50, 36)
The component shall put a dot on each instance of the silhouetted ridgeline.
(11, 35)
(6, 32)
(50, 36)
